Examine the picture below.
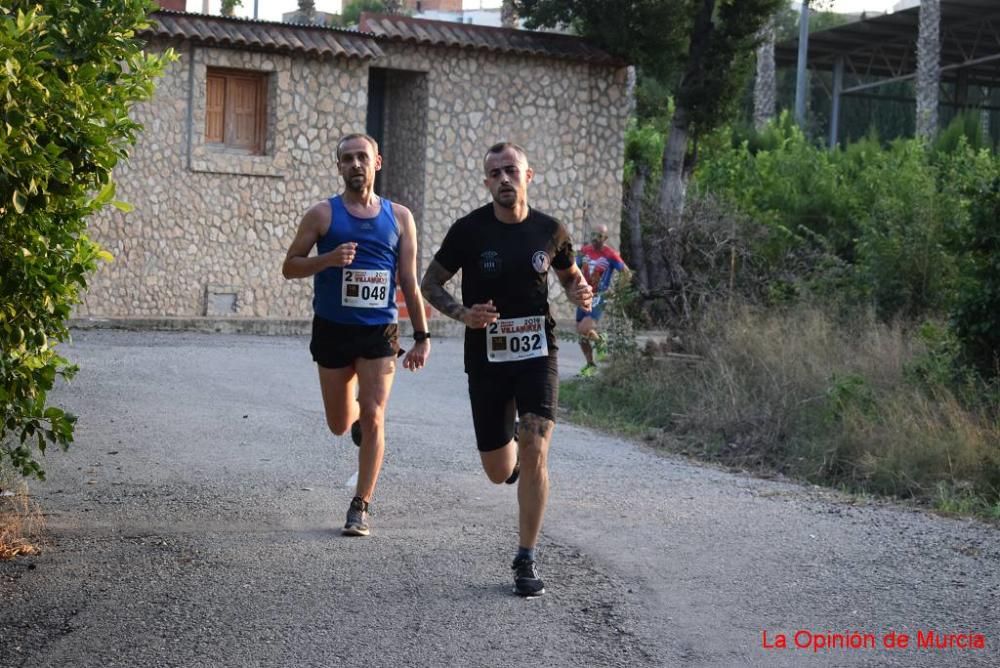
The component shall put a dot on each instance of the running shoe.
(588, 370)
(357, 518)
(526, 580)
(515, 474)
(601, 348)
(356, 432)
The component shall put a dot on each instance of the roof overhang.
(240, 33)
(404, 29)
(883, 48)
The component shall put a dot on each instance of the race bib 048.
(511, 339)
(365, 288)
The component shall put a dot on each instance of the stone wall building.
(240, 139)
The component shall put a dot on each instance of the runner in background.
(599, 262)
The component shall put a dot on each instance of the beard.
(356, 183)
(507, 199)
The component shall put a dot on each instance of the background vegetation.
(834, 315)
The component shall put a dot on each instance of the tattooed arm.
(432, 286)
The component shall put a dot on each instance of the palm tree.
(928, 68)
(764, 88)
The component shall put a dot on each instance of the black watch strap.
(421, 336)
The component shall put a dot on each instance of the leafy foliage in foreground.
(72, 69)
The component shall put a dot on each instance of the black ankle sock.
(525, 553)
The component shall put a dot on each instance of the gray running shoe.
(526, 580)
(356, 432)
(357, 518)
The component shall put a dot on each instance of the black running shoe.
(517, 465)
(357, 518)
(356, 432)
(515, 474)
(526, 580)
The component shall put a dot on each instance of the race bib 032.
(511, 339)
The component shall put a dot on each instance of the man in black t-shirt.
(505, 250)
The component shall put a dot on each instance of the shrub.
(889, 215)
(72, 70)
(976, 312)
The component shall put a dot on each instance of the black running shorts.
(498, 392)
(335, 346)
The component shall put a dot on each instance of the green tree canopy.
(351, 13)
(699, 49)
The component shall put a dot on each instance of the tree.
(765, 89)
(352, 11)
(228, 7)
(73, 68)
(508, 14)
(928, 68)
(701, 49)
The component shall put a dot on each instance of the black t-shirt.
(508, 263)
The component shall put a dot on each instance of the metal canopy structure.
(876, 51)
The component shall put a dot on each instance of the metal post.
(800, 79)
(962, 89)
(256, 4)
(838, 86)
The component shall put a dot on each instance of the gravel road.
(195, 522)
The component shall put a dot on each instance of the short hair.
(356, 135)
(499, 147)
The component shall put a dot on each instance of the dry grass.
(21, 522)
(801, 392)
(771, 377)
(921, 444)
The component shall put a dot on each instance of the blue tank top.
(363, 293)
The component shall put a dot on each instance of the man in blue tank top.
(363, 242)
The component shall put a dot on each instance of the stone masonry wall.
(210, 229)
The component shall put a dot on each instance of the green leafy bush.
(975, 316)
(72, 69)
(967, 128)
(889, 214)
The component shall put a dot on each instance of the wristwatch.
(421, 336)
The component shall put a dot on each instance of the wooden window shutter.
(244, 104)
(215, 109)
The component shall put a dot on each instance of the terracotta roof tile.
(268, 35)
(445, 33)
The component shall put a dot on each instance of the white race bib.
(365, 288)
(510, 339)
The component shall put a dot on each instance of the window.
(235, 109)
